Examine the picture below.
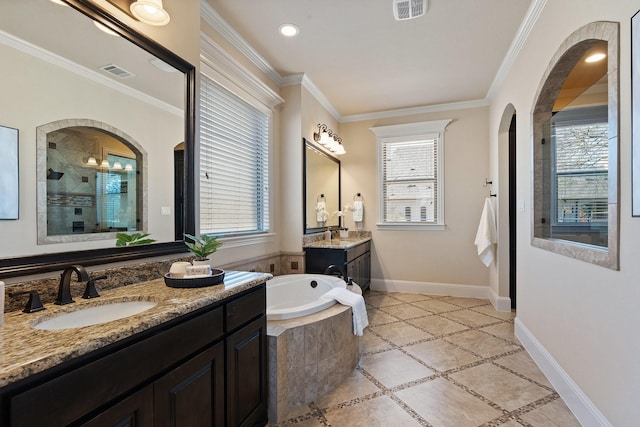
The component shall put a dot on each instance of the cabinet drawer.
(355, 252)
(247, 307)
(70, 396)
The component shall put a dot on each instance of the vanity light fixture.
(117, 166)
(150, 12)
(289, 30)
(329, 139)
(91, 161)
(105, 164)
(128, 167)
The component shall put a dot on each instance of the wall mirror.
(575, 149)
(321, 189)
(69, 89)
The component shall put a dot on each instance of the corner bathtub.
(297, 295)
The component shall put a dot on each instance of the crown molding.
(415, 110)
(530, 18)
(213, 18)
(79, 70)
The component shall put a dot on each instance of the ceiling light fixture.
(595, 57)
(150, 12)
(329, 139)
(289, 30)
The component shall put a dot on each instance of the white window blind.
(234, 163)
(410, 186)
(410, 177)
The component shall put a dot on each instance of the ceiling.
(364, 61)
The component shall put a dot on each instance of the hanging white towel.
(356, 302)
(320, 212)
(487, 235)
(358, 211)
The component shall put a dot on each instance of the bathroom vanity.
(199, 357)
(352, 255)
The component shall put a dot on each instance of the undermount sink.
(94, 315)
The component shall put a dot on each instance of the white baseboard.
(449, 289)
(583, 409)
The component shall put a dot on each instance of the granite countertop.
(338, 243)
(25, 351)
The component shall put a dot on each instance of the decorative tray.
(216, 277)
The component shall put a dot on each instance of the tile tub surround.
(438, 361)
(27, 351)
(308, 357)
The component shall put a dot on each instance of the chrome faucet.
(64, 289)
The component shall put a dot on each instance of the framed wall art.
(9, 179)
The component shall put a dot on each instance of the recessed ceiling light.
(595, 57)
(289, 30)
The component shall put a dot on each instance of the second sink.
(94, 315)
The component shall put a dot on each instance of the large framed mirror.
(321, 189)
(106, 123)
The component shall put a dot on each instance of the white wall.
(586, 317)
(426, 261)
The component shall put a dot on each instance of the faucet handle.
(90, 291)
(33, 304)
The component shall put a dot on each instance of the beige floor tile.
(436, 305)
(437, 325)
(378, 317)
(471, 318)
(410, 297)
(480, 343)
(405, 311)
(355, 386)
(378, 412)
(440, 354)
(503, 330)
(466, 302)
(371, 343)
(381, 300)
(553, 414)
(523, 364)
(392, 368)
(400, 333)
(490, 311)
(499, 386)
(312, 421)
(443, 404)
(511, 423)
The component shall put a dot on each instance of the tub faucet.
(64, 289)
(335, 270)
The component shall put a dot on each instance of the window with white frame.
(234, 162)
(410, 175)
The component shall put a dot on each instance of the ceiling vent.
(117, 71)
(408, 9)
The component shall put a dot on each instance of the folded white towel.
(356, 302)
(320, 212)
(358, 211)
(487, 234)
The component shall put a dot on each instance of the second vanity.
(198, 357)
(352, 255)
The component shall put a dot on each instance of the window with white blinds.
(410, 174)
(234, 163)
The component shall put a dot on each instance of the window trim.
(396, 133)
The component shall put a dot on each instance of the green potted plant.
(124, 239)
(202, 246)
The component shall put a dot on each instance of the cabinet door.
(135, 411)
(247, 375)
(192, 395)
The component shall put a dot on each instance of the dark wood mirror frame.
(28, 265)
(310, 230)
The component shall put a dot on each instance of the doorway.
(512, 212)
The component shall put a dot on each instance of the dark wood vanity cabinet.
(208, 368)
(355, 261)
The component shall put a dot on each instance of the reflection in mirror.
(321, 189)
(92, 179)
(575, 150)
(56, 72)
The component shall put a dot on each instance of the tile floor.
(439, 361)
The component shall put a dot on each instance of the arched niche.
(575, 149)
(91, 181)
